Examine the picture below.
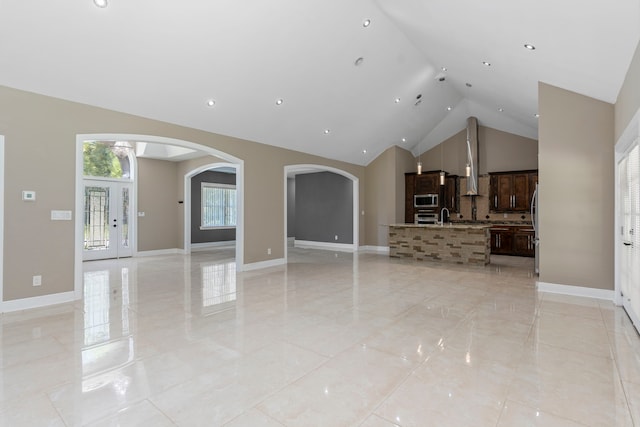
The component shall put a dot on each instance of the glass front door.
(107, 214)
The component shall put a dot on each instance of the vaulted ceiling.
(340, 79)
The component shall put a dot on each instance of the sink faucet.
(442, 215)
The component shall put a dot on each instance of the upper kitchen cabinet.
(409, 192)
(512, 191)
(428, 183)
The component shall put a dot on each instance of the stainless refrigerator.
(536, 227)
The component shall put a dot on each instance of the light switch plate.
(61, 215)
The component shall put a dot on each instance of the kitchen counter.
(454, 243)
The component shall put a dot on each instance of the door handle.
(627, 244)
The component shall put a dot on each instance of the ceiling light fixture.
(404, 139)
(468, 84)
(364, 151)
(442, 173)
(211, 103)
(279, 101)
(100, 3)
(536, 115)
(486, 64)
(444, 68)
(359, 61)
(326, 131)
(529, 46)
(501, 109)
(397, 100)
(366, 23)
(449, 108)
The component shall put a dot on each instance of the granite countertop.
(450, 225)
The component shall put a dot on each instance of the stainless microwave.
(425, 201)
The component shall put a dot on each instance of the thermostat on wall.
(28, 196)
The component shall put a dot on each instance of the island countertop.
(456, 243)
(451, 225)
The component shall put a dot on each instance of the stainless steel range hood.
(472, 157)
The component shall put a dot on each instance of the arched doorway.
(292, 170)
(82, 138)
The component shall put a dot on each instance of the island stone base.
(456, 243)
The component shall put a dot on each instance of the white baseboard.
(340, 247)
(212, 245)
(35, 302)
(577, 291)
(173, 251)
(375, 249)
(263, 264)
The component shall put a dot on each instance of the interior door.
(107, 215)
(629, 187)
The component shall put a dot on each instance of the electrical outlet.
(37, 280)
(335, 237)
(268, 251)
(505, 215)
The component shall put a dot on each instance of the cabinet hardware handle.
(495, 201)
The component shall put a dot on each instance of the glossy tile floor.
(330, 340)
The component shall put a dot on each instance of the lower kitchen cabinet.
(513, 240)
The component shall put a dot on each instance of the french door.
(107, 219)
(629, 187)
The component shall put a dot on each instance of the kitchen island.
(454, 243)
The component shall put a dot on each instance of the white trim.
(35, 302)
(156, 252)
(375, 249)
(307, 168)
(623, 146)
(2, 252)
(340, 247)
(212, 245)
(264, 264)
(577, 291)
(239, 167)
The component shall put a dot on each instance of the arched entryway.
(293, 170)
(237, 163)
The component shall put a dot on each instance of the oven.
(426, 218)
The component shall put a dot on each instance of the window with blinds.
(218, 205)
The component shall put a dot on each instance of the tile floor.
(330, 340)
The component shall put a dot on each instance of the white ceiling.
(164, 59)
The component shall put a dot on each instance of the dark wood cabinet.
(450, 194)
(501, 240)
(511, 191)
(409, 191)
(428, 183)
(513, 240)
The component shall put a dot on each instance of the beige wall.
(576, 189)
(498, 151)
(40, 139)
(384, 193)
(629, 97)
(158, 199)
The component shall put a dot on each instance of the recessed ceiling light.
(529, 46)
(486, 64)
(100, 3)
(449, 108)
(536, 115)
(444, 68)
(211, 103)
(364, 151)
(397, 100)
(468, 84)
(279, 101)
(404, 139)
(366, 23)
(359, 61)
(326, 131)
(501, 109)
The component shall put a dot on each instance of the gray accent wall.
(324, 208)
(291, 207)
(208, 236)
